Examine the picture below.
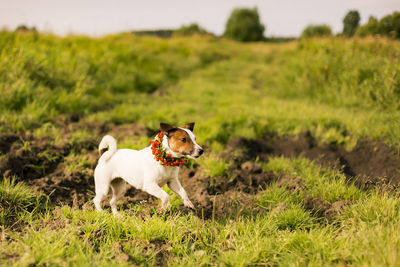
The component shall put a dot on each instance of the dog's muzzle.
(198, 153)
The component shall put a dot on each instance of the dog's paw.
(163, 210)
(189, 204)
(164, 207)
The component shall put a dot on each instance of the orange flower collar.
(161, 155)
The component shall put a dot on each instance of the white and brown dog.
(147, 169)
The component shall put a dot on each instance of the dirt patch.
(6, 140)
(370, 163)
(161, 252)
(55, 223)
(224, 197)
(291, 183)
(155, 251)
(325, 210)
(119, 253)
(73, 188)
(40, 165)
(32, 159)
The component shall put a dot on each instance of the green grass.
(328, 185)
(339, 90)
(214, 166)
(19, 204)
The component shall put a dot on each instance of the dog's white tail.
(107, 142)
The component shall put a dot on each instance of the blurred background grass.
(341, 89)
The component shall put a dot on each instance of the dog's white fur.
(140, 169)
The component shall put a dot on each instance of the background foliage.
(316, 31)
(350, 23)
(244, 25)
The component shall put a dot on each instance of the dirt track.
(370, 163)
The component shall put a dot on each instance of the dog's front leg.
(155, 190)
(176, 186)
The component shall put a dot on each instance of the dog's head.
(181, 140)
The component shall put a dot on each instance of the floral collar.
(161, 155)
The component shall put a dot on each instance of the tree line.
(388, 26)
(244, 25)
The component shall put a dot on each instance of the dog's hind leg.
(118, 187)
(102, 184)
(97, 200)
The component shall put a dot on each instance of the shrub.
(316, 30)
(371, 28)
(191, 29)
(24, 28)
(244, 25)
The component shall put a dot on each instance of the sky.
(100, 17)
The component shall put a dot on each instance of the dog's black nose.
(201, 151)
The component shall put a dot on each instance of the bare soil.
(369, 164)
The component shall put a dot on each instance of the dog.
(147, 169)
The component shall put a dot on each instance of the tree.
(244, 25)
(370, 28)
(350, 23)
(316, 30)
(390, 25)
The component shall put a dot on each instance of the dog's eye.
(183, 140)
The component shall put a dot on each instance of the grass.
(19, 204)
(289, 236)
(215, 167)
(62, 88)
(326, 184)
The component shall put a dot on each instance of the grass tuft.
(19, 204)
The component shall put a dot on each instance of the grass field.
(301, 164)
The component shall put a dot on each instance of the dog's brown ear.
(189, 126)
(167, 129)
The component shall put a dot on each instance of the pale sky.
(99, 17)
